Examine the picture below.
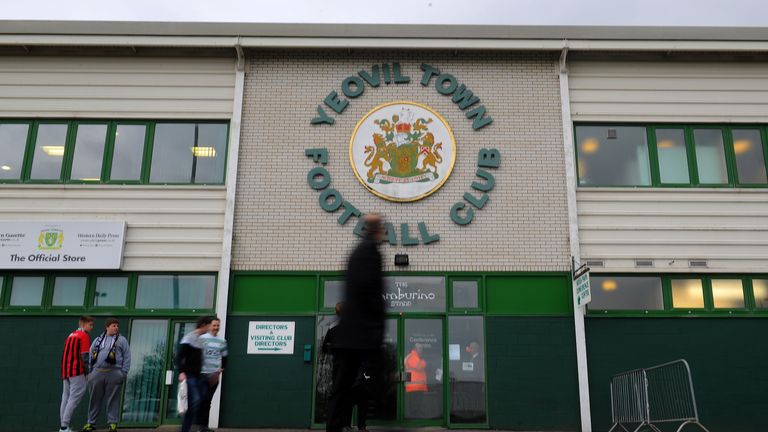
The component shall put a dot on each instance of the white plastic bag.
(181, 398)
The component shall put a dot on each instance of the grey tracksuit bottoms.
(74, 389)
(104, 384)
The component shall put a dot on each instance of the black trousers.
(346, 367)
(203, 414)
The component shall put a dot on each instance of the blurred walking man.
(190, 364)
(74, 367)
(361, 329)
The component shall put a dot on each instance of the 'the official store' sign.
(61, 245)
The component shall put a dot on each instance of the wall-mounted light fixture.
(401, 259)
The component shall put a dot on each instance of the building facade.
(241, 160)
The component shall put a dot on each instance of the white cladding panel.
(169, 228)
(669, 91)
(728, 228)
(116, 87)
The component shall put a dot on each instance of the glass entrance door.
(149, 397)
(422, 364)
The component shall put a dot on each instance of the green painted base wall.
(532, 380)
(728, 359)
(30, 373)
(262, 391)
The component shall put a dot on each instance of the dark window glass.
(673, 157)
(2, 279)
(128, 152)
(760, 288)
(49, 151)
(172, 156)
(465, 294)
(27, 291)
(687, 294)
(89, 152)
(69, 291)
(626, 293)
(728, 293)
(466, 368)
(210, 153)
(13, 141)
(612, 156)
(110, 291)
(175, 292)
(710, 156)
(750, 163)
(333, 292)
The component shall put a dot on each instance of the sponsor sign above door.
(61, 245)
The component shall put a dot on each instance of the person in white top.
(214, 359)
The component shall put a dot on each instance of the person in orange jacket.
(417, 367)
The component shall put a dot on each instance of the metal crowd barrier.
(658, 394)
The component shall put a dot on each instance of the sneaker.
(88, 428)
(65, 429)
(112, 427)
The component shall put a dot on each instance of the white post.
(222, 293)
(573, 228)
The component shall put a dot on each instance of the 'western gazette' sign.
(403, 151)
(64, 245)
(271, 337)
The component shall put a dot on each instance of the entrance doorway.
(149, 393)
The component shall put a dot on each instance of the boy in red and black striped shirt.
(74, 367)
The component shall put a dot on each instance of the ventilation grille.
(595, 263)
(697, 263)
(643, 263)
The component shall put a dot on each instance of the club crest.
(402, 151)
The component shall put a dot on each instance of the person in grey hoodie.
(110, 363)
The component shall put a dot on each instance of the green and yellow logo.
(50, 239)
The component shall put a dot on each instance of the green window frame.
(658, 154)
(69, 154)
(708, 284)
(46, 306)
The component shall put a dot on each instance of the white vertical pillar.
(573, 229)
(222, 293)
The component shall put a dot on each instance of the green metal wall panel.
(529, 295)
(30, 381)
(727, 356)
(532, 379)
(264, 391)
(290, 293)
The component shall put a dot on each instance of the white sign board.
(271, 337)
(62, 245)
(582, 289)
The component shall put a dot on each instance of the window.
(69, 291)
(710, 156)
(2, 279)
(89, 152)
(110, 291)
(333, 292)
(727, 294)
(466, 369)
(13, 142)
(175, 292)
(128, 152)
(687, 294)
(48, 152)
(113, 152)
(612, 156)
(27, 291)
(188, 153)
(626, 293)
(760, 289)
(465, 294)
(750, 161)
(674, 156)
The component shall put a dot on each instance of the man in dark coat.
(360, 332)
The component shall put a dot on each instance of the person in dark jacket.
(360, 333)
(190, 364)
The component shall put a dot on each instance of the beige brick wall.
(279, 224)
